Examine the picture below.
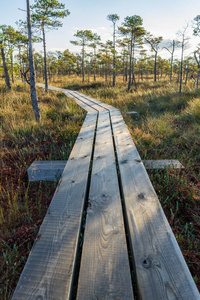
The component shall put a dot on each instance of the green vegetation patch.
(23, 205)
(168, 127)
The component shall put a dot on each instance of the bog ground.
(167, 127)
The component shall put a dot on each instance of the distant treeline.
(126, 55)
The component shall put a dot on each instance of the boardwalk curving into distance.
(105, 172)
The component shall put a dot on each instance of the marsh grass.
(22, 204)
(168, 127)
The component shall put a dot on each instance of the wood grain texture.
(161, 270)
(101, 104)
(46, 170)
(49, 271)
(69, 94)
(88, 107)
(160, 267)
(104, 272)
(84, 99)
(163, 164)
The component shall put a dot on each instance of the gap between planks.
(104, 257)
(160, 267)
(161, 270)
(49, 271)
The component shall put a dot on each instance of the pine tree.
(46, 15)
(154, 42)
(132, 27)
(31, 67)
(84, 36)
(96, 39)
(113, 18)
(2, 43)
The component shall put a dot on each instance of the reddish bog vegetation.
(167, 127)
(23, 205)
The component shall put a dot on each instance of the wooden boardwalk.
(125, 227)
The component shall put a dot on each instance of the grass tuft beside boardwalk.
(167, 127)
(23, 205)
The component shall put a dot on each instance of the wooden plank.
(84, 105)
(70, 95)
(102, 104)
(104, 271)
(162, 164)
(80, 99)
(84, 99)
(161, 270)
(53, 88)
(46, 170)
(49, 271)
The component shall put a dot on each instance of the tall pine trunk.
(123, 68)
(7, 78)
(83, 64)
(171, 67)
(133, 69)
(12, 67)
(181, 71)
(95, 64)
(198, 78)
(155, 65)
(126, 71)
(172, 58)
(114, 58)
(31, 66)
(20, 61)
(130, 65)
(45, 60)
(198, 65)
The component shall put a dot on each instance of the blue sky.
(163, 18)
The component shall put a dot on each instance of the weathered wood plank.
(84, 99)
(89, 108)
(49, 271)
(104, 272)
(52, 170)
(86, 107)
(162, 164)
(161, 270)
(46, 170)
(102, 104)
(69, 94)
